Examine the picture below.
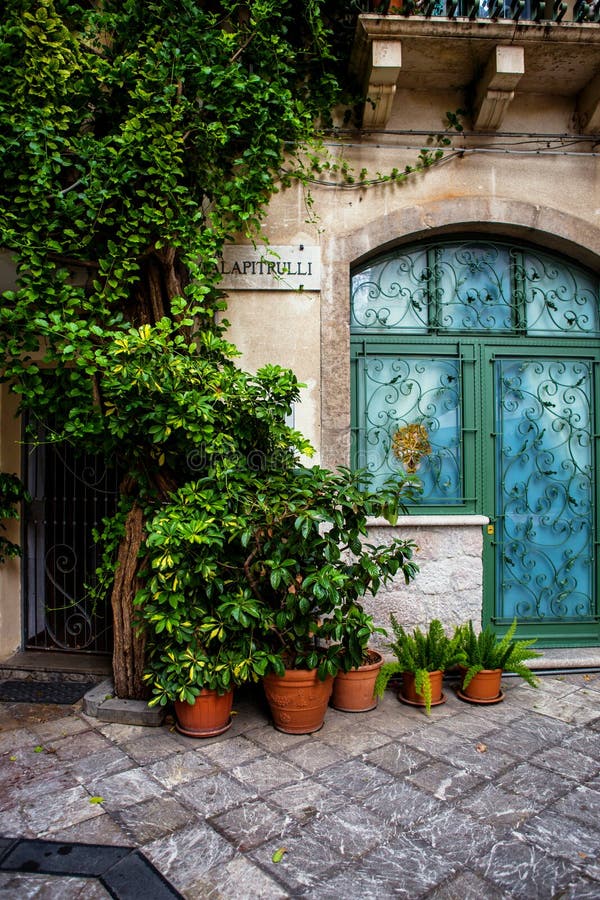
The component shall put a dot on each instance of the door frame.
(579, 634)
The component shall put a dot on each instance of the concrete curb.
(101, 703)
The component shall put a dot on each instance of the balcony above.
(490, 60)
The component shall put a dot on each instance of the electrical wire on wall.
(507, 144)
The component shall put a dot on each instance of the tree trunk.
(162, 277)
(129, 637)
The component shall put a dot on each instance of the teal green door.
(483, 357)
(541, 555)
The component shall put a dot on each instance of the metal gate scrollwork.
(71, 495)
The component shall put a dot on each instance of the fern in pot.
(421, 658)
(486, 657)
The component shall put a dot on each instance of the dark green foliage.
(138, 138)
(12, 493)
(486, 651)
(420, 653)
(247, 577)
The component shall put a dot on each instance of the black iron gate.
(71, 494)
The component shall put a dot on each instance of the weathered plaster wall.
(551, 201)
(10, 572)
(282, 327)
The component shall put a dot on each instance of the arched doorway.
(475, 364)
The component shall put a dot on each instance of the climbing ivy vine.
(138, 137)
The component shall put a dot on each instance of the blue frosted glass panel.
(473, 287)
(545, 489)
(559, 299)
(412, 423)
(392, 295)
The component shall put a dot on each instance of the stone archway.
(547, 227)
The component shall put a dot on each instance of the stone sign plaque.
(275, 268)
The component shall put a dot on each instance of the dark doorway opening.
(71, 494)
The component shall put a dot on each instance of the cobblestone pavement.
(473, 802)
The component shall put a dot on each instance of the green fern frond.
(471, 672)
(486, 651)
(423, 687)
(525, 673)
(385, 673)
(429, 650)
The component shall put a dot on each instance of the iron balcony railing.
(517, 10)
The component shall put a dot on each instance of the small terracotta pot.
(393, 6)
(353, 690)
(409, 693)
(208, 716)
(298, 700)
(484, 686)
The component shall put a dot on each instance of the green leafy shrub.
(420, 653)
(12, 492)
(487, 651)
(310, 564)
(354, 644)
(249, 573)
(203, 630)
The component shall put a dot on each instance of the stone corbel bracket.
(381, 76)
(495, 91)
(588, 106)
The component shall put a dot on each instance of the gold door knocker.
(409, 444)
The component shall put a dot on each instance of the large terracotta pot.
(298, 700)
(410, 695)
(353, 690)
(208, 716)
(484, 687)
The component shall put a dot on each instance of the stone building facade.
(519, 184)
(478, 268)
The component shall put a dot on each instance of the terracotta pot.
(409, 693)
(385, 8)
(298, 700)
(208, 716)
(353, 690)
(484, 686)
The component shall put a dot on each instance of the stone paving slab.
(47, 887)
(470, 803)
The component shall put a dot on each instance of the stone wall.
(449, 584)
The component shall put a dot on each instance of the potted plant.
(202, 632)
(354, 684)
(199, 683)
(261, 574)
(486, 656)
(309, 564)
(393, 7)
(421, 658)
